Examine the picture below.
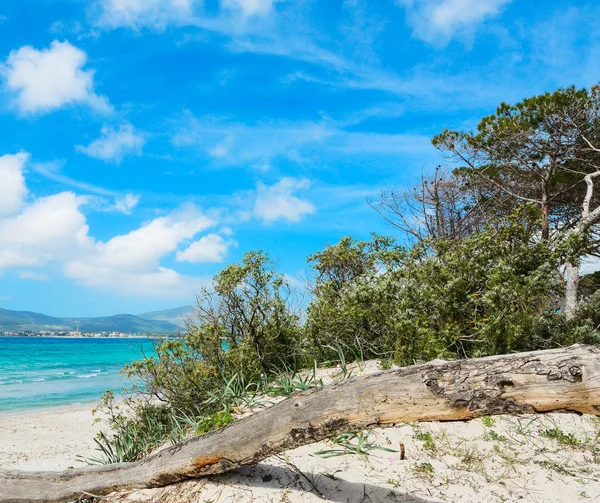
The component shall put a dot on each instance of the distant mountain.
(176, 316)
(26, 320)
(127, 323)
(11, 321)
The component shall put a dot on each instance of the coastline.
(49, 409)
(147, 336)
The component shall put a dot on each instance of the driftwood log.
(537, 382)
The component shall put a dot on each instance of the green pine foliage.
(493, 292)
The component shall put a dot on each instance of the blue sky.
(147, 143)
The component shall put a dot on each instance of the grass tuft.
(561, 437)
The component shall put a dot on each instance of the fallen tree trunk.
(542, 381)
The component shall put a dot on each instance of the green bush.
(350, 310)
(243, 327)
(493, 292)
(213, 422)
(243, 331)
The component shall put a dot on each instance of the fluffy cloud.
(45, 80)
(126, 203)
(209, 248)
(140, 13)
(142, 248)
(50, 228)
(437, 21)
(115, 144)
(279, 202)
(53, 229)
(12, 182)
(131, 262)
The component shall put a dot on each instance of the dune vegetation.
(486, 259)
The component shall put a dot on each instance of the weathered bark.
(571, 289)
(536, 382)
(545, 205)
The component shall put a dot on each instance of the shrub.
(243, 327)
(492, 292)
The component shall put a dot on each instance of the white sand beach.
(47, 439)
(502, 459)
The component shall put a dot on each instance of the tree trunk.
(545, 231)
(589, 218)
(571, 289)
(554, 380)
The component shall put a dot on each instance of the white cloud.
(36, 276)
(115, 144)
(131, 262)
(142, 248)
(257, 145)
(49, 79)
(279, 202)
(250, 7)
(53, 229)
(12, 182)
(209, 248)
(50, 228)
(35, 233)
(126, 203)
(45, 220)
(437, 21)
(140, 13)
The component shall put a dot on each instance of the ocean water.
(38, 372)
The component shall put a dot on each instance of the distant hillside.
(176, 316)
(123, 323)
(26, 320)
(127, 323)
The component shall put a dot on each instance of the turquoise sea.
(37, 372)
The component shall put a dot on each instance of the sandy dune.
(549, 458)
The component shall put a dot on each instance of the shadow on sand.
(339, 490)
(279, 484)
